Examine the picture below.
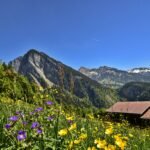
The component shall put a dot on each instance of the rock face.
(112, 77)
(46, 71)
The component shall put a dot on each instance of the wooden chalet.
(133, 110)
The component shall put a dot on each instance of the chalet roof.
(130, 107)
(146, 115)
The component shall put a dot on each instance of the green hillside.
(15, 86)
(135, 91)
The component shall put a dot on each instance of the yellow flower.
(83, 136)
(111, 147)
(63, 132)
(96, 141)
(101, 144)
(69, 118)
(71, 145)
(117, 137)
(120, 143)
(109, 131)
(77, 141)
(91, 148)
(72, 127)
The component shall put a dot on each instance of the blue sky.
(88, 33)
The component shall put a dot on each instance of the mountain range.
(47, 72)
(115, 78)
(98, 87)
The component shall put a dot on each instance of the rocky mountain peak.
(46, 71)
(83, 69)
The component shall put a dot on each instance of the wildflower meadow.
(47, 125)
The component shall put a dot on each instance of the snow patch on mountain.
(139, 70)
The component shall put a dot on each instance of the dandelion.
(21, 135)
(13, 118)
(63, 132)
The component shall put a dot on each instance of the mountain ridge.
(115, 78)
(46, 71)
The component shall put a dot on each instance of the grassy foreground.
(45, 125)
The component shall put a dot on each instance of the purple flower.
(7, 126)
(50, 118)
(70, 121)
(31, 113)
(24, 123)
(13, 118)
(39, 109)
(18, 112)
(21, 135)
(34, 125)
(39, 131)
(49, 103)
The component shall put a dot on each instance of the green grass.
(66, 129)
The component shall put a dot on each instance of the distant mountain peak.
(113, 77)
(140, 70)
(83, 68)
(32, 51)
